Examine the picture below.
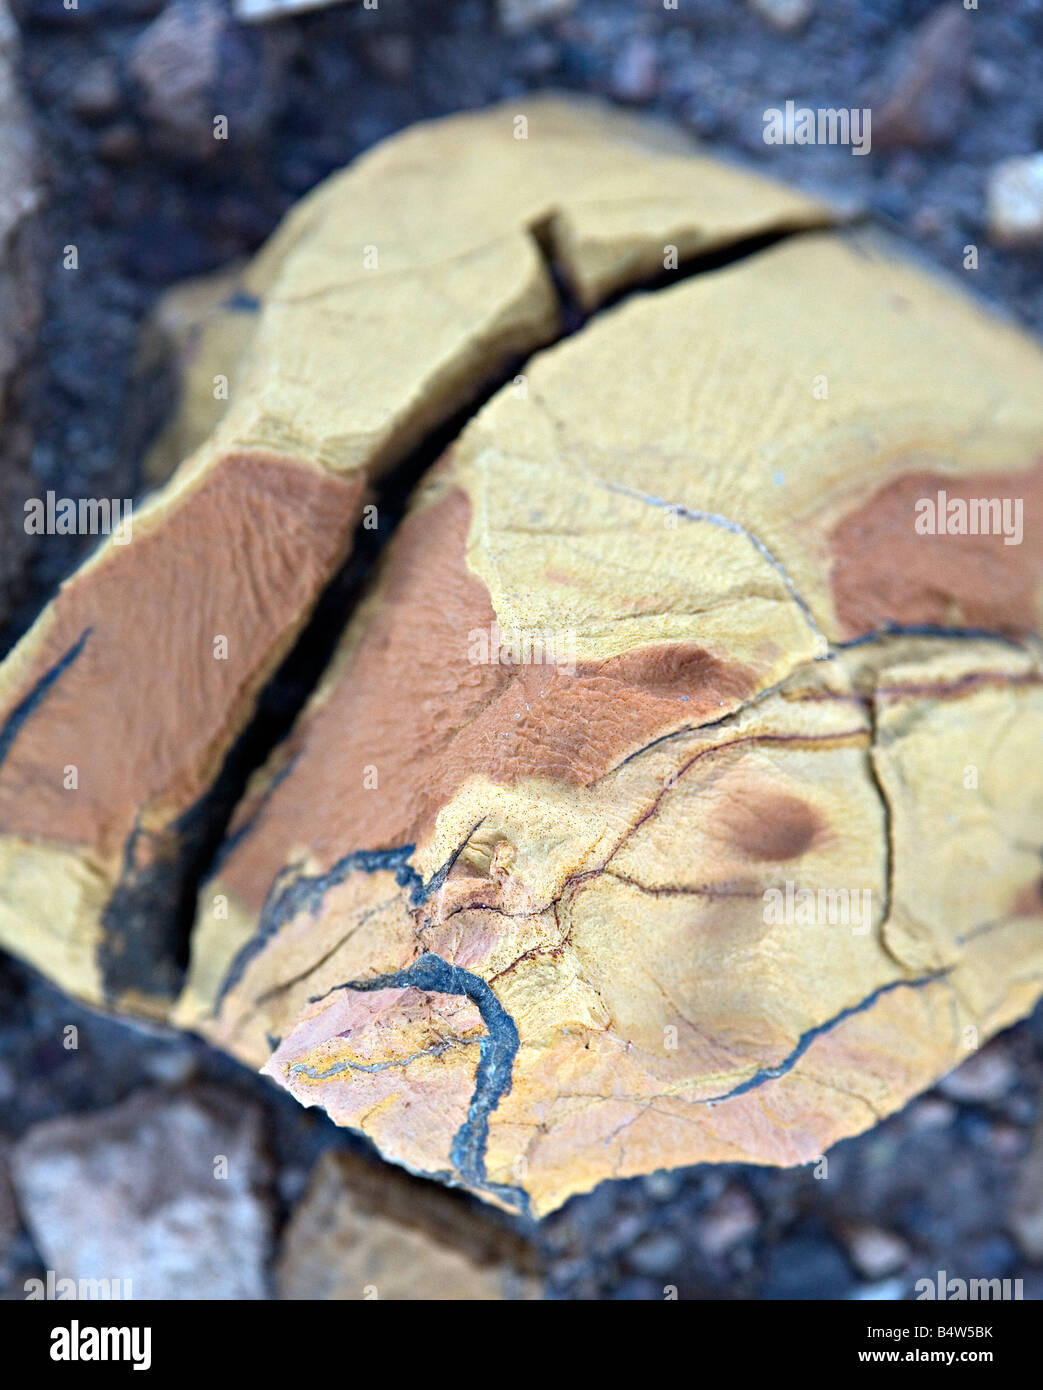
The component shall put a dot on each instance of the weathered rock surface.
(671, 797)
(386, 301)
(165, 1191)
(366, 1231)
(532, 925)
(20, 307)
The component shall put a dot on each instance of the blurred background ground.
(123, 93)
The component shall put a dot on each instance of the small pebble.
(1015, 202)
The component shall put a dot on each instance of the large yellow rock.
(389, 298)
(674, 796)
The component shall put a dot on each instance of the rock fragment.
(1015, 202)
(874, 1252)
(986, 1076)
(195, 68)
(165, 1191)
(788, 16)
(533, 919)
(119, 707)
(519, 16)
(923, 93)
(366, 1231)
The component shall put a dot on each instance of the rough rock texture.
(158, 1213)
(364, 1231)
(20, 307)
(509, 917)
(385, 302)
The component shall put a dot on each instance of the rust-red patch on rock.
(773, 827)
(146, 710)
(415, 714)
(885, 571)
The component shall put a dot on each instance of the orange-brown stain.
(885, 571)
(413, 707)
(775, 826)
(147, 710)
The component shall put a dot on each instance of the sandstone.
(388, 299)
(671, 795)
(366, 1231)
(166, 1192)
(535, 923)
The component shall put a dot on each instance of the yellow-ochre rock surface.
(674, 793)
(386, 301)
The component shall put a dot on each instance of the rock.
(366, 1231)
(727, 1222)
(518, 16)
(195, 68)
(659, 1253)
(1015, 202)
(96, 94)
(586, 790)
(932, 1113)
(120, 144)
(788, 16)
(20, 311)
(1025, 1219)
(582, 861)
(137, 1193)
(923, 93)
(805, 1266)
(634, 75)
(875, 1253)
(259, 11)
(986, 1076)
(391, 56)
(291, 408)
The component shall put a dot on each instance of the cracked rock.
(670, 797)
(119, 706)
(168, 1192)
(553, 935)
(365, 1231)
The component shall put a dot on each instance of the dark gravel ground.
(148, 197)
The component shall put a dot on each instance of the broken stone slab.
(163, 1195)
(367, 1231)
(671, 798)
(388, 300)
(20, 310)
